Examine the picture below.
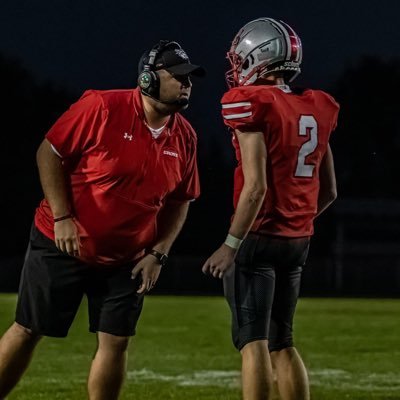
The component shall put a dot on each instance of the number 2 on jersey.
(307, 123)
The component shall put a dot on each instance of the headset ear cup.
(149, 83)
(148, 79)
(144, 80)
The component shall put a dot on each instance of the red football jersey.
(296, 130)
(119, 175)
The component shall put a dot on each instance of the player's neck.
(279, 82)
(272, 80)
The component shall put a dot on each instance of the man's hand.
(66, 237)
(150, 268)
(220, 261)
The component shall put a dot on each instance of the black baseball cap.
(173, 59)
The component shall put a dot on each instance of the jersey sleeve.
(329, 103)
(189, 188)
(77, 129)
(335, 115)
(243, 109)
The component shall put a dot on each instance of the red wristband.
(68, 216)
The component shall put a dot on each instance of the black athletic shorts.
(53, 284)
(263, 287)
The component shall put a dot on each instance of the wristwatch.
(162, 258)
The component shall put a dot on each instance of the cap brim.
(187, 69)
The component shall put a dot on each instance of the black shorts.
(53, 284)
(263, 287)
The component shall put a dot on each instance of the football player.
(284, 179)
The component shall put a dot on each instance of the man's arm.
(254, 159)
(327, 191)
(170, 222)
(52, 178)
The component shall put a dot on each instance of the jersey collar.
(284, 88)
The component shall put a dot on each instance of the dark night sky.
(96, 44)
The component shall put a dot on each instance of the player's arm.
(254, 158)
(52, 179)
(327, 191)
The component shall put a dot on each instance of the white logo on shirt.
(170, 153)
(127, 136)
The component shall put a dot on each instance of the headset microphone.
(178, 102)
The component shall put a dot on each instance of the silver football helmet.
(261, 47)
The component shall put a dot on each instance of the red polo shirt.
(119, 175)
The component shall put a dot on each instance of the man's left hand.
(220, 261)
(150, 269)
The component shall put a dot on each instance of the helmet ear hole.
(246, 64)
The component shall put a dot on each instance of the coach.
(118, 171)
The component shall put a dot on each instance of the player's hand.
(149, 268)
(220, 261)
(66, 237)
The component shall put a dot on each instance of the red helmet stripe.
(294, 42)
(279, 25)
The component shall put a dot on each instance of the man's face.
(174, 88)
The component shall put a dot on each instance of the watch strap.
(161, 257)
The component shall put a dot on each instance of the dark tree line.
(367, 140)
(28, 109)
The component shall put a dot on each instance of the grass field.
(183, 352)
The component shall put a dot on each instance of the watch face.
(163, 260)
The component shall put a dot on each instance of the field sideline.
(183, 352)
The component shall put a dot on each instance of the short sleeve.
(242, 109)
(78, 128)
(331, 107)
(189, 188)
(336, 108)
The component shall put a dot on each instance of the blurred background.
(51, 51)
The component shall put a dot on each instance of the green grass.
(183, 352)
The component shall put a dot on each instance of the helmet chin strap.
(259, 70)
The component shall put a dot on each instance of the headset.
(148, 80)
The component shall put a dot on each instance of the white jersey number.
(307, 124)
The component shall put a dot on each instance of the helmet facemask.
(242, 72)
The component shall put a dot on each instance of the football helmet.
(261, 47)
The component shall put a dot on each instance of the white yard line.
(196, 378)
(335, 378)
